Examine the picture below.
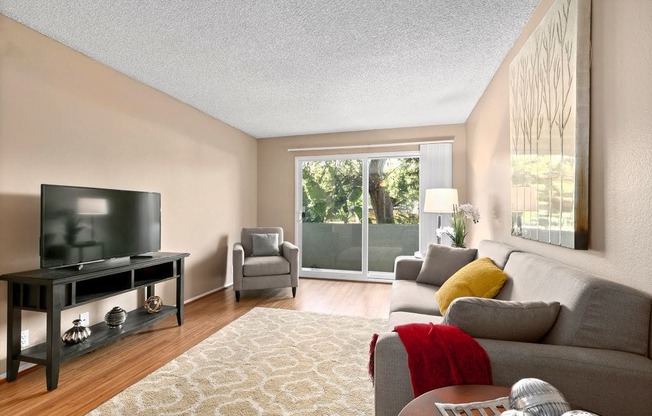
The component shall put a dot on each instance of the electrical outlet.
(85, 319)
(24, 338)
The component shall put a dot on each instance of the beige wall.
(66, 119)
(276, 164)
(621, 149)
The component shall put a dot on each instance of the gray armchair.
(259, 263)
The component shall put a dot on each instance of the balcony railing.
(339, 246)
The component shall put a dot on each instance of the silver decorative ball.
(537, 398)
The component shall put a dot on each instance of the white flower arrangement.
(457, 231)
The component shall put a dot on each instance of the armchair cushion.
(265, 266)
(247, 241)
(264, 244)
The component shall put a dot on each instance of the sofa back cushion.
(497, 252)
(594, 312)
(442, 261)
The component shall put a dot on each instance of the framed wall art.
(549, 93)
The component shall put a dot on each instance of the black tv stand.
(53, 290)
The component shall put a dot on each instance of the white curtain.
(436, 171)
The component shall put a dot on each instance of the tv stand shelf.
(53, 290)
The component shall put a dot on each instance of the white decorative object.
(487, 407)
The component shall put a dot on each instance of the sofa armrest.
(392, 385)
(602, 381)
(407, 267)
(605, 382)
(291, 254)
(238, 262)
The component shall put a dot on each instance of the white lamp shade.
(440, 200)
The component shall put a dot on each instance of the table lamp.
(440, 201)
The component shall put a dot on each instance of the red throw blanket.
(442, 355)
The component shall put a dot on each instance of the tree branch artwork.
(549, 118)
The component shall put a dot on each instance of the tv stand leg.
(53, 328)
(180, 293)
(52, 376)
(13, 333)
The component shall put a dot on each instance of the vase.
(115, 317)
(76, 334)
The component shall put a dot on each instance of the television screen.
(81, 225)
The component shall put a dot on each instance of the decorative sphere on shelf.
(153, 304)
(78, 333)
(115, 317)
(538, 398)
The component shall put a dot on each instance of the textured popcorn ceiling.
(284, 67)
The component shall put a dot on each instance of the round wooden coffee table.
(424, 405)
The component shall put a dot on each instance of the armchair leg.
(237, 296)
(294, 292)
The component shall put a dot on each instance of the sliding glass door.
(393, 212)
(357, 213)
(331, 215)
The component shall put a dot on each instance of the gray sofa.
(598, 352)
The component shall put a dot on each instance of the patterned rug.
(267, 362)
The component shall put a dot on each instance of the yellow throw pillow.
(480, 278)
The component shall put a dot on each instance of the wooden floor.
(87, 381)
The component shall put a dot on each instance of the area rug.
(267, 362)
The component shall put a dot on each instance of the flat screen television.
(81, 225)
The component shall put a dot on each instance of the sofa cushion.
(480, 278)
(264, 244)
(265, 266)
(500, 319)
(409, 296)
(402, 318)
(442, 261)
(498, 252)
